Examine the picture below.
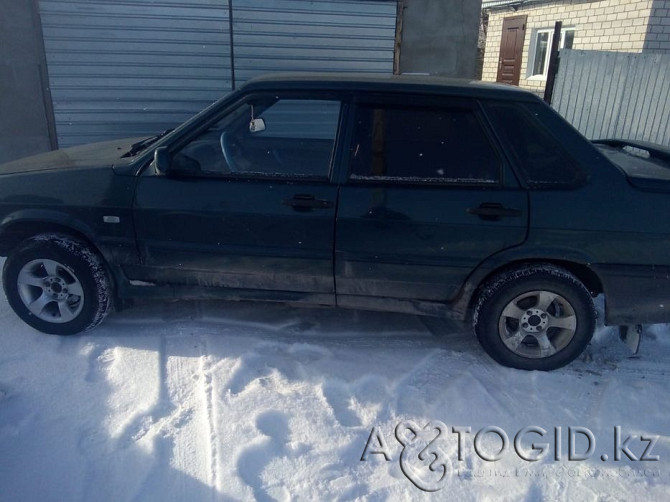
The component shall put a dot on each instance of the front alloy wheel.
(50, 290)
(57, 284)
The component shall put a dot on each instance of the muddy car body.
(464, 200)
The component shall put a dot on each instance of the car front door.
(426, 198)
(247, 203)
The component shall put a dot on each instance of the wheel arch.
(19, 226)
(582, 271)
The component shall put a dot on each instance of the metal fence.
(615, 94)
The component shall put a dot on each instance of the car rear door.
(246, 209)
(426, 198)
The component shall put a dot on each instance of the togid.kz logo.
(424, 462)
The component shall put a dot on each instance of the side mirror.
(161, 160)
(257, 125)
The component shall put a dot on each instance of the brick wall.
(606, 25)
(658, 31)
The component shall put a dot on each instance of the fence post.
(553, 62)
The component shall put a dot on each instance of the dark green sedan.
(462, 200)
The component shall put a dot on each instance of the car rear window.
(540, 159)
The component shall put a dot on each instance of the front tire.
(539, 317)
(57, 284)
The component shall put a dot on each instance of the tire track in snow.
(177, 414)
(154, 419)
(173, 427)
(206, 370)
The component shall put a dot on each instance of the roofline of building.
(499, 4)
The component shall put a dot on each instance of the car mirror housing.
(161, 160)
(257, 125)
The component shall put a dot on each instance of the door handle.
(305, 202)
(493, 211)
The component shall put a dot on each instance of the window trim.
(328, 178)
(533, 47)
(424, 102)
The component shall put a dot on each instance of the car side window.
(540, 159)
(266, 137)
(422, 145)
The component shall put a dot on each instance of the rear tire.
(539, 317)
(57, 284)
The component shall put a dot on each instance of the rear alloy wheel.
(57, 284)
(536, 318)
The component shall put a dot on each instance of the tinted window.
(422, 145)
(301, 119)
(297, 140)
(540, 159)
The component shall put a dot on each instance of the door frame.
(512, 22)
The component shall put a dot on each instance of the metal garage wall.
(120, 68)
(315, 35)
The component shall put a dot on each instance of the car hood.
(103, 154)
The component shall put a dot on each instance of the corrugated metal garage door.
(121, 68)
(316, 35)
(131, 68)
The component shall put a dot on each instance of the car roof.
(417, 83)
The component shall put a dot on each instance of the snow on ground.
(174, 401)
